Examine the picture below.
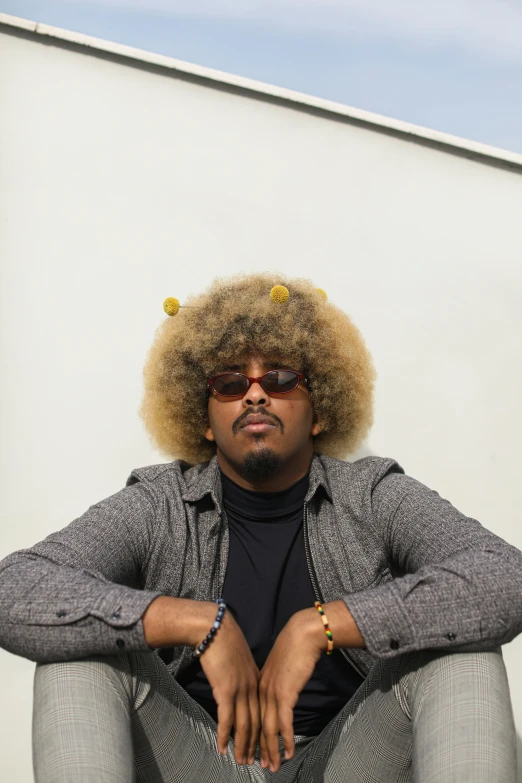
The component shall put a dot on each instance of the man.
(360, 614)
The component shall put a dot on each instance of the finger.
(286, 729)
(255, 726)
(225, 716)
(271, 732)
(241, 730)
(263, 749)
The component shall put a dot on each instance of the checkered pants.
(426, 717)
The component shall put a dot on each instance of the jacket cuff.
(121, 610)
(382, 621)
(121, 607)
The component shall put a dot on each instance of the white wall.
(120, 187)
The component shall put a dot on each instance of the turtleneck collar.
(272, 507)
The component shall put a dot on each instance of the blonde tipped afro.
(236, 317)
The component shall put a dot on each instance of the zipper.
(315, 587)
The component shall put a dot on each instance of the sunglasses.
(235, 384)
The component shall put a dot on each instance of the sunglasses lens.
(280, 381)
(230, 385)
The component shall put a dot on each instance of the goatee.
(260, 464)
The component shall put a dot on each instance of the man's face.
(260, 428)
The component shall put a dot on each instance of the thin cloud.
(490, 27)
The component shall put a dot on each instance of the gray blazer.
(414, 572)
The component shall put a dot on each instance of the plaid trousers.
(425, 717)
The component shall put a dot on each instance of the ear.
(316, 429)
(209, 435)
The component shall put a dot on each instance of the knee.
(82, 675)
(487, 663)
(436, 672)
(126, 675)
(77, 666)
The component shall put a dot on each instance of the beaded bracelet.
(326, 628)
(200, 649)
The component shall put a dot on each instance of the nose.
(256, 395)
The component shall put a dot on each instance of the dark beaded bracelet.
(200, 649)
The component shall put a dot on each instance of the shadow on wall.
(519, 754)
(363, 451)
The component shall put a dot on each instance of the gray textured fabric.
(415, 572)
(425, 717)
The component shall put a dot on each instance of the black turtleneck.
(266, 582)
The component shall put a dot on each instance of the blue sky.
(452, 65)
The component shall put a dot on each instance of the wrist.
(199, 626)
(312, 629)
(172, 621)
(344, 629)
(214, 628)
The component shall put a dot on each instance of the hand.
(227, 663)
(234, 677)
(286, 671)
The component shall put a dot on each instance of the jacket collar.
(208, 482)
(318, 478)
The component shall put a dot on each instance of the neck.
(286, 474)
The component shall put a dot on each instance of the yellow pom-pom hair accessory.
(171, 305)
(321, 293)
(279, 294)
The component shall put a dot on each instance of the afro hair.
(236, 317)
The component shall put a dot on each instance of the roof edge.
(377, 121)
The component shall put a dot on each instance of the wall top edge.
(376, 121)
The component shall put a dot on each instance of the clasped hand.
(259, 705)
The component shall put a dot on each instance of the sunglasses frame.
(300, 378)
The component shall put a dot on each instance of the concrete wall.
(122, 185)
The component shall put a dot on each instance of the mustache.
(251, 411)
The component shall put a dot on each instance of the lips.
(256, 422)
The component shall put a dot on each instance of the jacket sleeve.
(76, 593)
(456, 586)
